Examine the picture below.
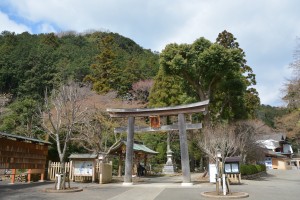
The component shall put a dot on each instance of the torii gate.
(164, 111)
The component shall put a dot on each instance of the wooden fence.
(54, 168)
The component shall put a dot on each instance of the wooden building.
(18, 152)
(140, 151)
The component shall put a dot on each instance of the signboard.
(268, 163)
(231, 168)
(212, 173)
(155, 121)
(83, 168)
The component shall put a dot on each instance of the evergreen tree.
(104, 69)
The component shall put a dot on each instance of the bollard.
(224, 184)
(58, 181)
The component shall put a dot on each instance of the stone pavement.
(277, 185)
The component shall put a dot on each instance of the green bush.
(243, 169)
(263, 167)
(259, 168)
(252, 169)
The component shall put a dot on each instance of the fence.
(100, 168)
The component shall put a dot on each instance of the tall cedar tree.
(104, 69)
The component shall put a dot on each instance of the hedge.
(252, 169)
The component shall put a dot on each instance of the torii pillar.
(165, 111)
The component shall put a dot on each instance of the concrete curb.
(232, 195)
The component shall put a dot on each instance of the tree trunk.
(63, 181)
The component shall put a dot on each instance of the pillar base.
(127, 183)
(187, 184)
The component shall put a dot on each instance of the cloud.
(9, 25)
(272, 85)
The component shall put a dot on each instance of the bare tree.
(292, 87)
(141, 90)
(220, 138)
(248, 133)
(238, 139)
(63, 110)
(292, 93)
(94, 131)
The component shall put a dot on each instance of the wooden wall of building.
(22, 155)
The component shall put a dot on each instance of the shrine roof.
(22, 138)
(163, 111)
(136, 147)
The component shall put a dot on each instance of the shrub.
(263, 167)
(252, 169)
(245, 170)
(259, 168)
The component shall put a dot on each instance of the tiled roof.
(136, 147)
(22, 138)
(275, 154)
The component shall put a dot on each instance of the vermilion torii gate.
(180, 111)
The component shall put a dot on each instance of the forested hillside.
(29, 63)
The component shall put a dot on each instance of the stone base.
(67, 190)
(168, 169)
(186, 184)
(232, 195)
(127, 183)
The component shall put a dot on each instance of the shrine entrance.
(154, 115)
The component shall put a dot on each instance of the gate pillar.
(129, 152)
(185, 161)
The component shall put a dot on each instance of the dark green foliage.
(22, 118)
(258, 167)
(30, 63)
(252, 169)
(157, 142)
(268, 114)
(263, 167)
(215, 71)
(119, 64)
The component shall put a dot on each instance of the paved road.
(278, 185)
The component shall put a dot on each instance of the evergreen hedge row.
(252, 169)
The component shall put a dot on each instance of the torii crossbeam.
(180, 111)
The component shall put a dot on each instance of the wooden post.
(49, 170)
(42, 177)
(120, 165)
(94, 171)
(29, 175)
(145, 164)
(185, 161)
(13, 176)
(129, 152)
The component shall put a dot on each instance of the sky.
(266, 30)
